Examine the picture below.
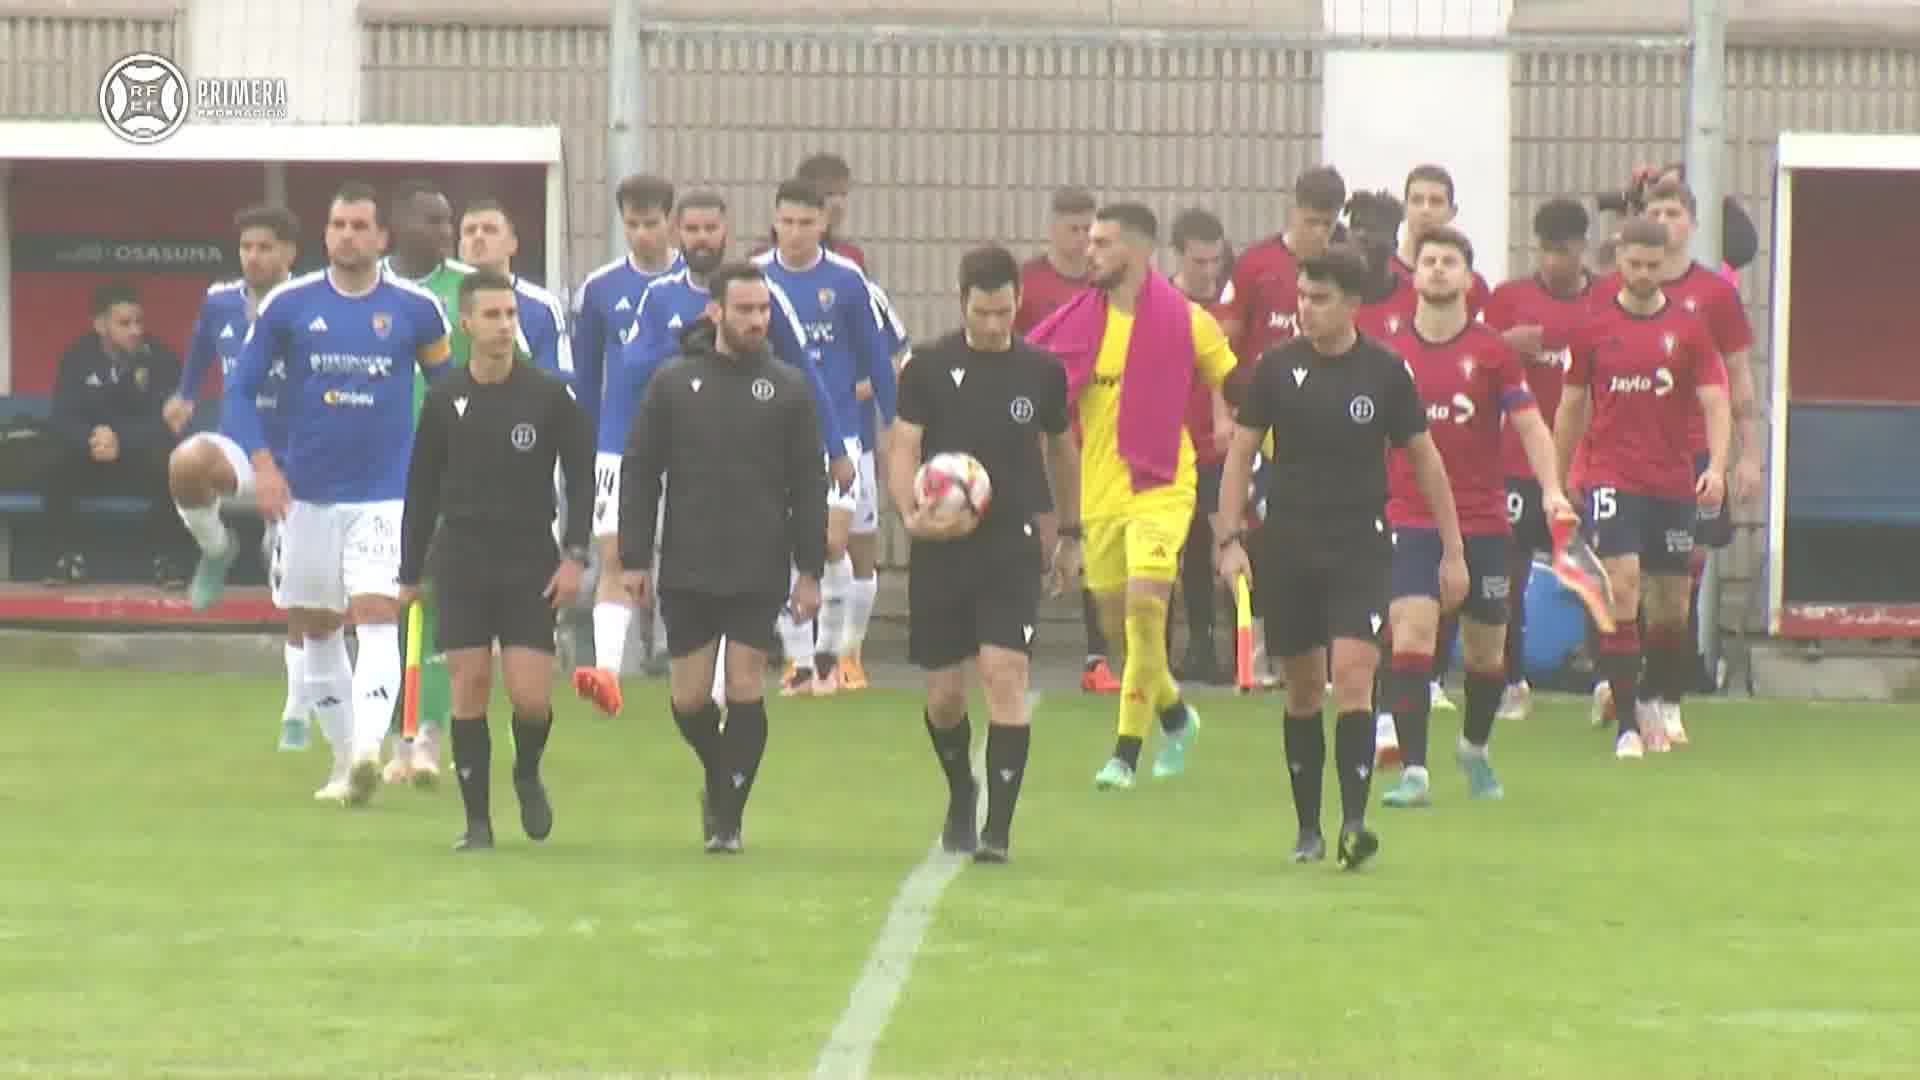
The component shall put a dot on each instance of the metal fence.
(957, 134)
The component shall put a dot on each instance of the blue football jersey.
(670, 305)
(894, 329)
(603, 307)
(844, 327)
(543, 329)
(348, 402)
(219, 334)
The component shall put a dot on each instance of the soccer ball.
(953, 481)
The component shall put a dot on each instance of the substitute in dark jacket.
(108, 433)
(733, 434)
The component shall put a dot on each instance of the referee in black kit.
(974, 582)
(734, 432)
(1336, 402)
(482, 479)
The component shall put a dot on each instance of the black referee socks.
(953, 746)
(743, 743)
(530, 731)
(702, 731)
(1353, 757)
(472, 763)
(1006, 767)
(1306, 762)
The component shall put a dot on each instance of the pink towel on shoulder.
(1159, 373)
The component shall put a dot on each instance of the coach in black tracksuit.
(736, 431)
(480, 497)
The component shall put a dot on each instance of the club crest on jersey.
(1669, 342)
(522, 437)
(1360, 409)
(382, 325)
(826, 299)
(1466, 367)
(1022, 410)
(762, 389)
(1393, 324)
(140, 377)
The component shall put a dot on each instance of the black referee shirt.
(994, 406)
(483, 458)
(738, 444)
(1333, 420)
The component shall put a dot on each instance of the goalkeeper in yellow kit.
(1132, 346)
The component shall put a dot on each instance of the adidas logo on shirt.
(624, 305)
(226, 332)
(318, 325)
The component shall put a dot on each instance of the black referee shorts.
(1314, 591)
(961, 596)
(696, 619)
(482, 600)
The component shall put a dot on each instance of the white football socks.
(861, 594)
(329, 690)
(296, 683)
(376, 686)
(204, 525)
(836, 585)
(796, 637)
(610, 624)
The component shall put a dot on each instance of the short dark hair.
(824, 169)
(1446, 236)
(988, 269)
(1132, 216)
(802, 191)
(1321, 188)
(1639, 232)
(1375, 210)
(1672, 191)
(1431, 174)
(485, 204)
(1559, 222)
(726, 274)
(409, 188)
(357, 191)
(1343, 265)
(481, 281)
(277, 219)
(1196, 225)
(702, 200)
(1072, 200)
(112, 293)
(644, 192)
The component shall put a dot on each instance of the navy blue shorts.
(1659, 531)
(1712, 529)
(1528, 515)
(1416, 572)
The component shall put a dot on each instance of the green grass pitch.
(173, 903)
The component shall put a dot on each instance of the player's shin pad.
(1146, 683)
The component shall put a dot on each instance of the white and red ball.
(951, 482)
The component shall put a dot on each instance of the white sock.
(860, 599)
(296, 683)
(206, 528)
(1417, 772)
(720, 674)
(836, 585)
(610, 625)
(376, 686)
(1384, 731)
(329, 687)
(796, 640)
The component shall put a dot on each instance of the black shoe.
(961, 835)
(1357, 845)
(536, 810)
(992, 849)
(478, 837)
(68, 569)
(1310, 847)
(725, 842)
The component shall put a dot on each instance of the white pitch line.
(848, 1053)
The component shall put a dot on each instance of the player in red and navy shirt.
(1261, 302)
(1538, 315)
(1430, 204)
(1636, 375)
(1469, 381)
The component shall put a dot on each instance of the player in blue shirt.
(350, 339)
(604, 304)
(846, 326)
(670, 305)
(489, 241)
(210, 469)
